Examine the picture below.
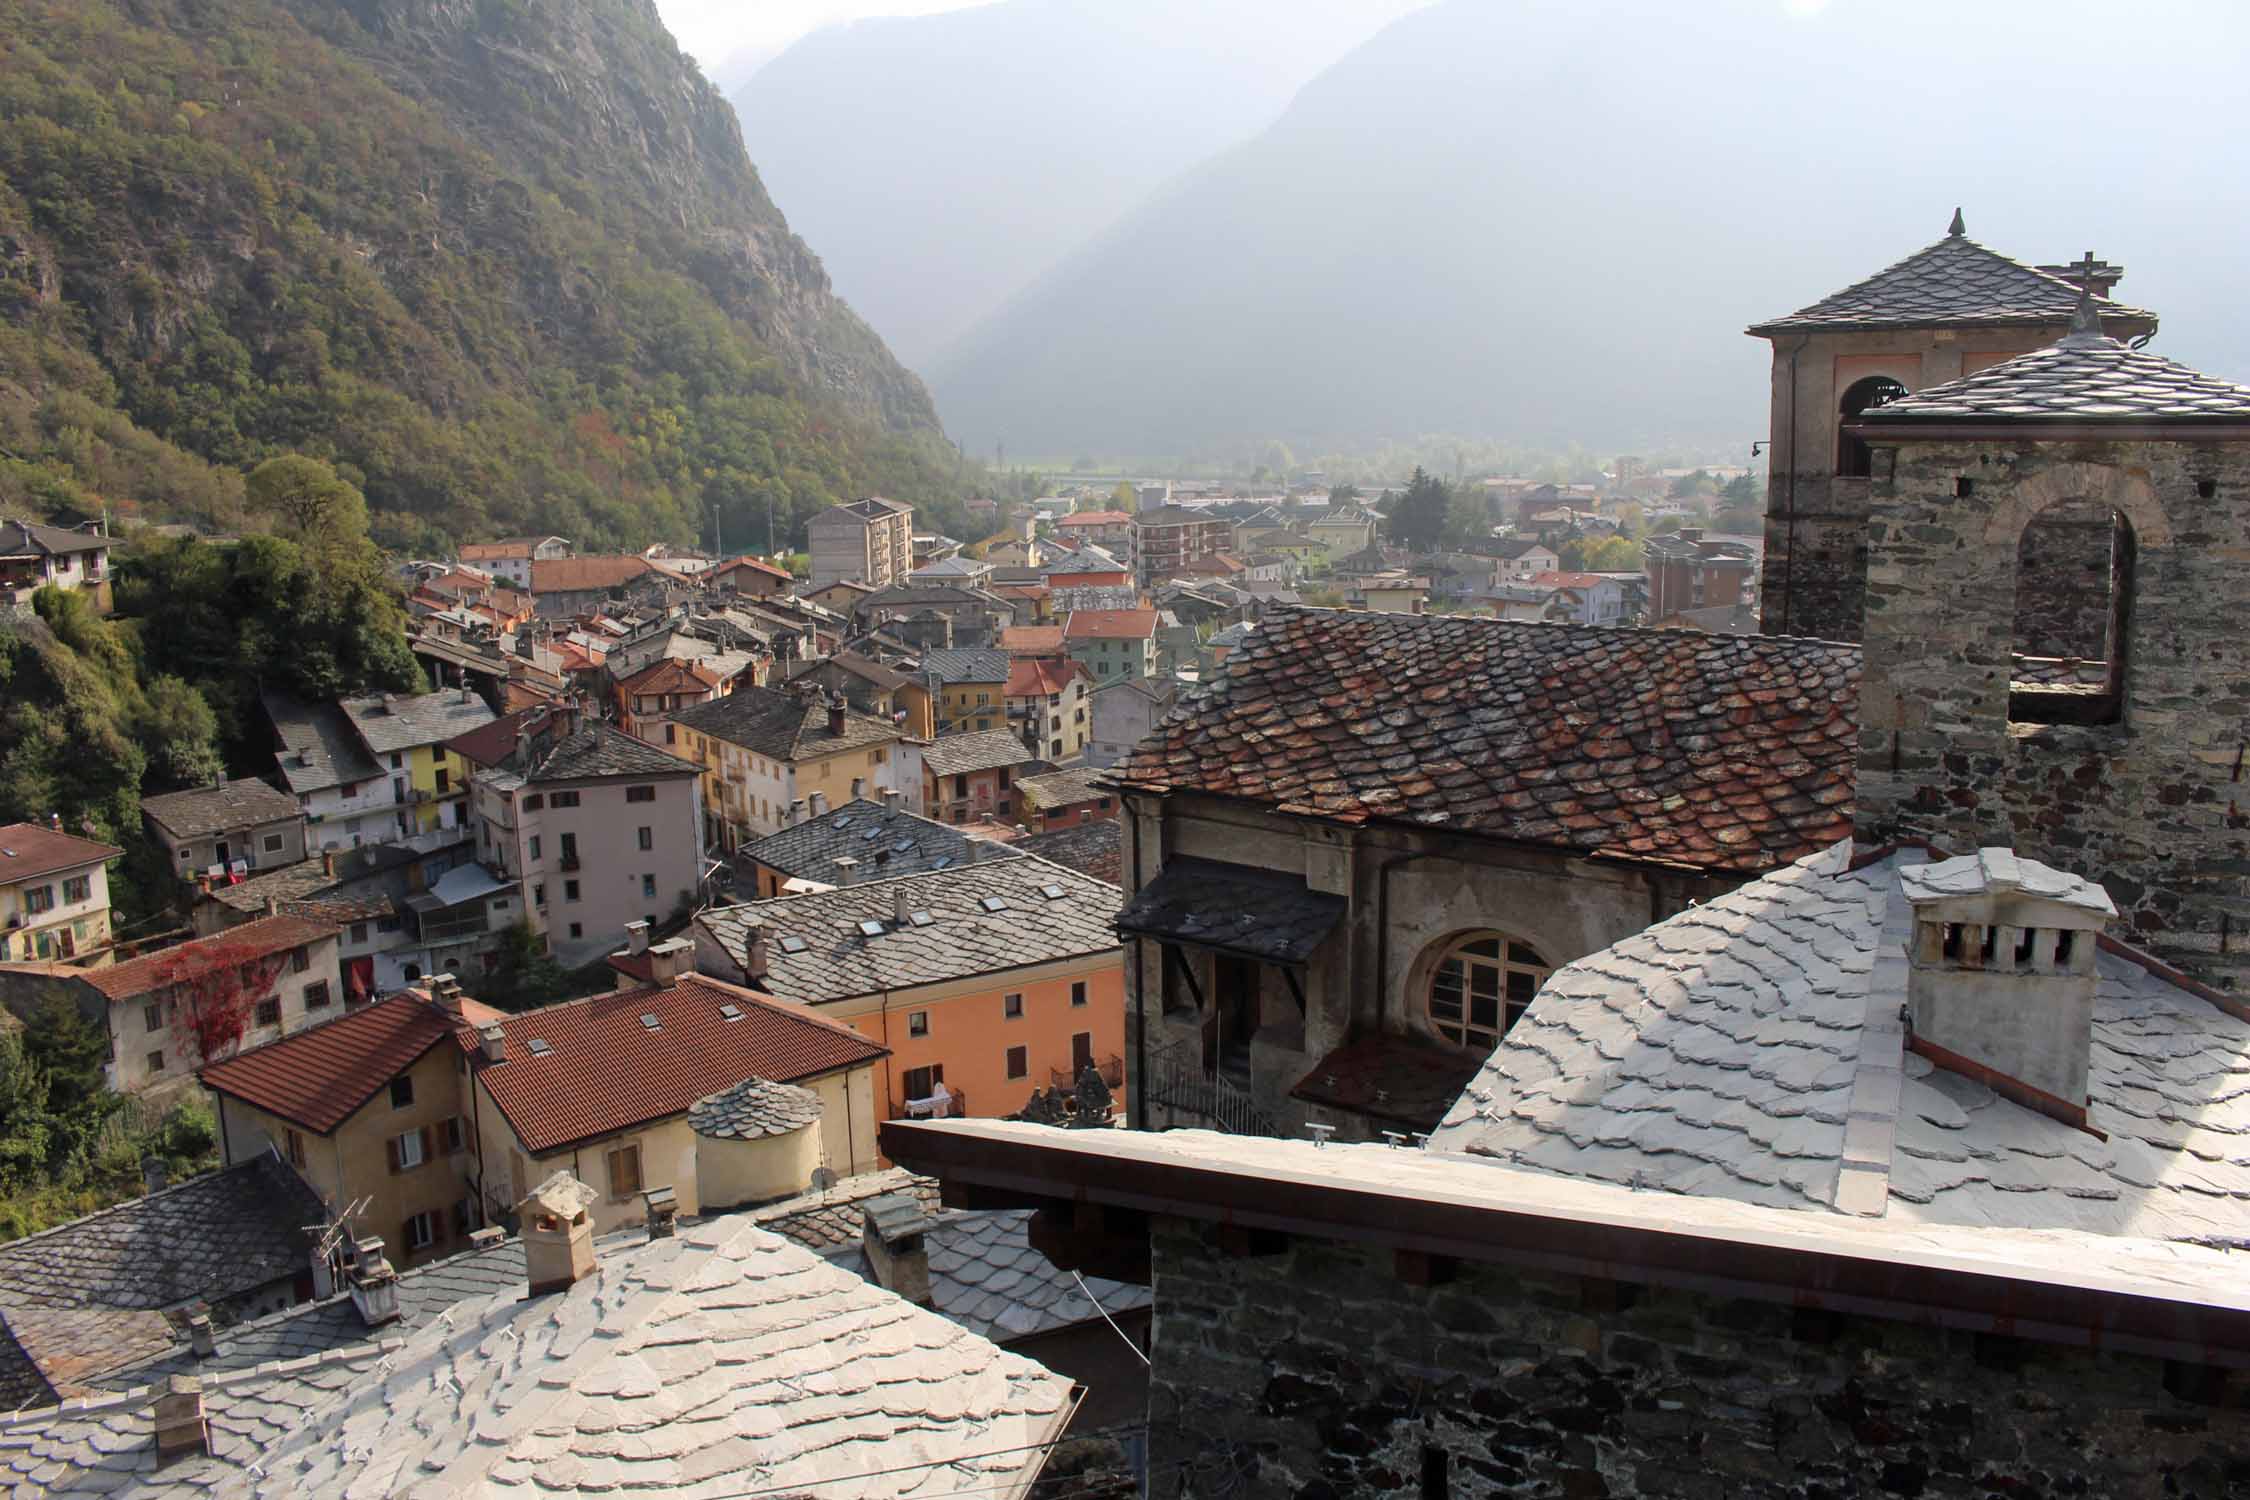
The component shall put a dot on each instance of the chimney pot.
(636, 937)
(893, 1236)
(445, 994)
(178, 1419)
(200, 1337)
(492, 1041)
(273, 906)
(836, 715)
(819, 804)
(859, 788)
(899, 905)
(663, 1208)
(374, 1285)
(669, 960)
(487, 1237)
(558, 1233)
(754, 951)
(328, 862)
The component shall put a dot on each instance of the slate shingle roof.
(978, 750)
(736, 1361)
(782, 726)
(1953, 282)
(986, 1276)
(598, 750)
(1717, 1054)
(220, 809)
(1046, 913)
(2084, 378)
(952, 664)
(387, 722)
(754, 1109)
(1242, 909)
(1065, 787)
(319, 748)
(1727, 752)
(1095, 848)
(20, 538)
(810, 850)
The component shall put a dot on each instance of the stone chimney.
(558, 1233)
(819, 804)
(836, 714)
(445, 994)
(893, 1237)
(2000, 975)
(155, 1175)
(893, 798)
(859, 788)
(755, 954)
(328, 862)
(492, 1042)
(177, 1416)
(200, 1337)
(663, 1208)
(636, 938)
(668, 960)
(373, 1285)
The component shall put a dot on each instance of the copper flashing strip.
(2015, 1090)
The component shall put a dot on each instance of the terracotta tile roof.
(2084, 378)
(673, 674)
(1955, 281)
(1031, 640)
(567, 575)
(752, 564)
(237, 945)
(1037, 677)
(1112, 624)
(604, 1070)
(507, 546)
(491, 743)
(1555, 580)
(319, 1076)
(1097, 518)
(1731, 753)
(28, 850)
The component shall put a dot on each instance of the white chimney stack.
(374, 1285)
(558, 1234)
(636, 937)
(669, 960)
(492, 1041)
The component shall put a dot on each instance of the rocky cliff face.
(597, 91)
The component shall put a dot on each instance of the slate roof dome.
(753, 1110)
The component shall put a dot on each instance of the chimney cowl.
(894, 1237)
(2001, 974)
(492, 1042)
(177, 1416)
(200, 1337)
(636, 937)
(669, 960)
(558, 1233)
(756, 956)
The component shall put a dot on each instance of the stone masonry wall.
(1316, 1373)
(2154, 806)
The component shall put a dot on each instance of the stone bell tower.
(1946, 311)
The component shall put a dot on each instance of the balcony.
(568, 862)
(953, 1106)
(1111, 1071)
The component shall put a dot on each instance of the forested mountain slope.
(503, 262)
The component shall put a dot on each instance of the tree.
(309, 504)
(1697, 483)
(1125, 497)
(209, 990)
(1343, 494)
(1613, 554)
(1741, 490)
(1417, 519)
(1737, 520)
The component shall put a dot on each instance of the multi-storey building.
(511, 558)
(54, 892)
(765, 752)
(1112, 643)
(374, 769)
(1170, 537)
(212, 828)
(1688, 571)
(1048, 703)
(969, 777)
(870, 540)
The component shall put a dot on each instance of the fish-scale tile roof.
(978, 750)
(1953, 282)
(1727, 752)
(754, 1109)
(1095, 848)
(986, 1275)
(1720, 1053)
(782, 725)
(1003, 914)
(220, 809)
(736, 1361)
(2086, 377)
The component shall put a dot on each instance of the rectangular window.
(539, 895)
(671, 734)
(534, 802)
(38, 898)
(155, 1062)
(1078, 992)
(1019, 1062)
(1011, 1007)
(316, 994)
(153, 1017)
(647, 838)
(450, 1138)
(78, 888)
(533, 846)
(402, 1092)
(407, 1152)
(570, 890)
(397, 760)
(295, 1147)
(625, 1172)
(577, 929)
(570, 851)
(421, 1231)
(918, 1023)
(444, 780)
(300, 959)
(640, 794)
(648, 887)
(566, 799)
(269, 1012)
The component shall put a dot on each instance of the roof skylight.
(871, 928)
(539, 1047)
(793, 945)
(994, 903)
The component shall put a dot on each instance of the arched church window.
(1853, 460)
(2073, 604)
(1481, 984)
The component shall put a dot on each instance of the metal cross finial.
(2086, 266)
(2085, 318)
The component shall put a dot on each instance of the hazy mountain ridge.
(1552, 225)
(503, 260)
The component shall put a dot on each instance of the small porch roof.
(1261, 914)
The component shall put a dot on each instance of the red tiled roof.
(1116, 624)
(605, 1071)
(1726, 752)
(237, 945)
(1038, 676)
(1096, 518)
(672, 675)
(754, 564)
(491, 743)
(573, 574)
(32, 849)
(1031, 640)
(1552, 580)
(320, 1076)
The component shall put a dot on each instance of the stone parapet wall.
(1314, 1372)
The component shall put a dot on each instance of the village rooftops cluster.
(922, 929)
(1955, 281)
(783, 726)
(979, 750)
(1728, 753)
(252, 943)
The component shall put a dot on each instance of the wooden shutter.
(437, 1226)
(406, 1237)
(428, 1140)
(390, 1149)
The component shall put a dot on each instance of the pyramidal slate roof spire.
(1956, 227)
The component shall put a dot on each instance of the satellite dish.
(823, 1179)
